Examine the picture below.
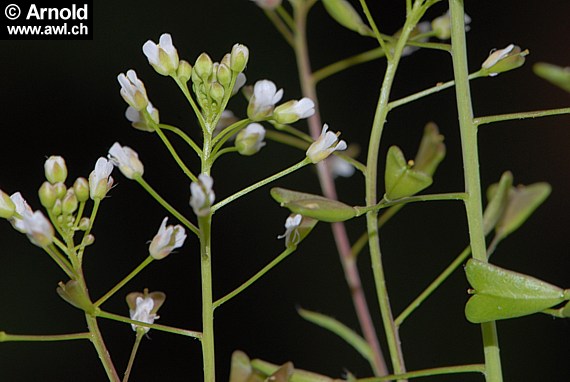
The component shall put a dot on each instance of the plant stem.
(122, 283)
(280, 25)
(346, 63)
(162, 328)
(182, 135)
(6, 337)
(167, 205)
(205, 224)
(326, 181)
(261, 183)
(175, 155)
(138, 338)
(474, 368)
(471, 173)
(255, 277)
(97, 341)
(433, 286)
(523, 115)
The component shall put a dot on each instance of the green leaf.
(341, 330)
(497, 194)
(343, 12)
(523, 201)
(556, 75)
(400, 178)
(500, 294)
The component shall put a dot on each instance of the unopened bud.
(503, 60)
(69, 202)
(239, 58)
(224, 75)
(55, 169)
(81, 188)
(184, 71)
(203, 66)
(47, 195)
(7, 206)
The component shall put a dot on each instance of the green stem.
(375, 29)
(122, 283)
(392, 335)
(6, 337)
(182, 135)
(223, 151)
(286, 139)
(280, 25)
(167, 205)
(184, 87)
(359, 245)
(138, 338)
(208, 353)
(410, 199)
(346, 63)
(473, 368)
(82, 246)
(259, 184)
(523, 115)
(175, 155)
(437, 88)
(255, 277)
(162, 328)
(97, 341)
(473, 202)
(433, 286)
(60, 260)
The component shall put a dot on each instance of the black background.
(61, 97)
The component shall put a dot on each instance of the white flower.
(162, 56)
(143, 312)
(325, 145)
(133, 90)
(497, 56)
(100, 180)
(127, 160)
(267, 4)
(292, 111)
(265, 96)
(202, 195)
(250, 140)
(139, 119)
(166, 240)
(38, 229)
(340, 167)
(55, 169)
(291, 235)
(23, 209)
(503, 60)
(7, 206)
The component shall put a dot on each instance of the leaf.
(399, 177)
(343, 12)
(501, 294)
(341, 330)
(556, 75)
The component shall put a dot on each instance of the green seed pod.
(72, 292)
(400, 179)
(554, 74)
(431, 151)
(497, 195)
(500, 294)
(322, 209)
(343, 12)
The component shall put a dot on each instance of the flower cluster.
(264, 98)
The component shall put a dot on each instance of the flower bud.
(166, 240)
(89, 239)
(127, 160)
(84, 224)
(81, 189)
(224, 75)
(217, 92)
(100, 181)
(7, 206)
(60, 190)
(69, 203)
(503, 60)
(47, 194)
(55, 169)
(56, 209)
(250, 140)
(239, 58)
(203, 67)
(292, 111)
(184, 71)
(344, 13)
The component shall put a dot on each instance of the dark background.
(61, 97)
